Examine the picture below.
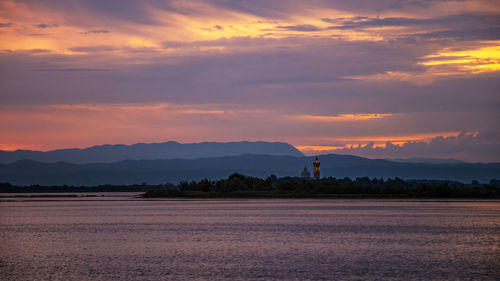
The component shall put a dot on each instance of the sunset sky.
(379, 79)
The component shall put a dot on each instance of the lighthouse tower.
(316, 168)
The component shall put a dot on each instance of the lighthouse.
(316, 168)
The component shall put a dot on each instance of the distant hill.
(27, 172)
(426, 160)
(149, 151)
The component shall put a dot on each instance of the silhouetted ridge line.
(141, 151)
(126, 172)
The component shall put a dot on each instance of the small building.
(305, 174)
(316, 169)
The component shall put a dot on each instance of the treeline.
(238, 185)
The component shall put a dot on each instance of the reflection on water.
(137, 239)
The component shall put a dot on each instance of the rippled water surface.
(135, 239)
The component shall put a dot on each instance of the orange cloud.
(307, 149)
(342, 117)
(475, 60)
(311, 148)
(397, 138)
(375, 141)
(446, 63)
(201, 22)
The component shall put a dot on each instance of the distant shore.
(240, 186)
(249, 195)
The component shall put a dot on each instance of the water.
(136, 239)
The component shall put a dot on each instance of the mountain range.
(150, 151)
(29, 172)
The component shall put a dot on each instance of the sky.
(380, 79)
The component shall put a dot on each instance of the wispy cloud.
(300, 27)
(69, 69)
(449, 21)
(96, 31)
(476, 60)
(44, 25)
(86, 49)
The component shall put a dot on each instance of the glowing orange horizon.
(376, 142)
(342, 117)
(62, 126)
